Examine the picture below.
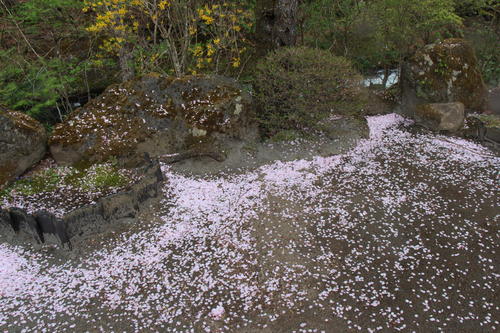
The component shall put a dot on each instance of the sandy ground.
(399, 234)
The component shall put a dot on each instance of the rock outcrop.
(483, 127)
(23, 143)
(155, 115)
(19, 226)
(442, 73)
(441, 116)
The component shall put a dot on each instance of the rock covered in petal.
(155, 114)
(75, 213)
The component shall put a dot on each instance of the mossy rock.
(439, 117)
(441, 73)
(155, 115)
(23, 142)
(483, 127)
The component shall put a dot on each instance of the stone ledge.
(42, 227)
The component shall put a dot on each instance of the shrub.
(296, 88)
(475, 7)
(37, 86)
(378, 34)
(484, 38)
(173, 36)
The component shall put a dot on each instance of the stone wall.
(18, 226)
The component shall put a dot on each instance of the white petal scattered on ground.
(401, 234)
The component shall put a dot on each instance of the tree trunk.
(277, 23)
(386, 76)
(127, 71)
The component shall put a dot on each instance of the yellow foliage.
(163, 4)
(220, 26)
(207, 19)
(236, 62)
(223, 34)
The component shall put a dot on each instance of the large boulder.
(441, 116)
(23, 142)
(155, 115)
(441, 73)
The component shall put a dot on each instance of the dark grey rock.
(25, 224)
(5, 222)
(52, 228)
(493, 134)
(441, 116)
(5, 218)
(45, 227)
(483, 128)
(442, 73)
(23, 142)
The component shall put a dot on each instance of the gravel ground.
(399, 234)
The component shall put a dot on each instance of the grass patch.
(99, 177)
(45, 181)
(490, 121)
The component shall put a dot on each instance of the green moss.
(490, 121)
(102, 176)
(97, 177)
(286, 135)
(45, 181)
(449, 68)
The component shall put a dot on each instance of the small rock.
(483, 127)
(217, 313)
(22, 144)
(441, 116)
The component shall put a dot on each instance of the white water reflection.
(378, 78)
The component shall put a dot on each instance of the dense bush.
(476, 7)
(378, 33)
(39, 85)
(174, 36)
(44, 53)
(53, 53)
(298, 87)
(484, 38)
